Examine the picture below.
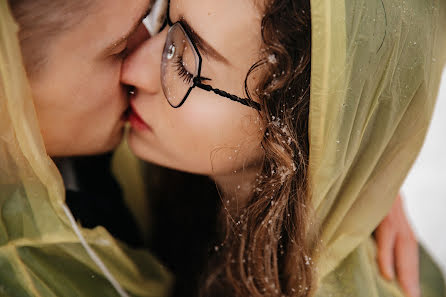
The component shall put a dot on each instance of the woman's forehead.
(232, 27)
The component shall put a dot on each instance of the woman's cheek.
(237, 146)
(214, 132)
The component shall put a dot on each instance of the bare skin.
(398, 250)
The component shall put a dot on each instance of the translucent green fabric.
(376, 67)
(43, 252)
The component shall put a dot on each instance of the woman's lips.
(136, 121)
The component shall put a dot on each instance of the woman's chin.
(135, 144)
(145, 150)
(141, 147)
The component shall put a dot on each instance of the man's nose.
(141, 69)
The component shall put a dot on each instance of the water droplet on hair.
(272, 59)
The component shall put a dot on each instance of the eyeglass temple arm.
(243, 101)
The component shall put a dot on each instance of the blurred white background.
(425, 187)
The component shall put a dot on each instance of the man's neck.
(66, 169)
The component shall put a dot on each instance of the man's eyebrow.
(132, 30)
(201, 43)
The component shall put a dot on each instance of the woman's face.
(209, 134)
(78, 96)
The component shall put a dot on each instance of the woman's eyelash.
(182, 71)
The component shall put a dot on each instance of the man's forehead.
(123, 25)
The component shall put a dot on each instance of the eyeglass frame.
(197, 80)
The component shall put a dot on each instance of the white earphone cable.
(93, 255)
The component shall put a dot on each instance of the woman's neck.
(236, 188)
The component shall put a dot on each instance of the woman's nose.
(141, 68)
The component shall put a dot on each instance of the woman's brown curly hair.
(267, 248)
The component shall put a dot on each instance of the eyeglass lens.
(179, 65)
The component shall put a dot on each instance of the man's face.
(79, 101)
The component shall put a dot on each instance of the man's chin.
(113, 142)
(89, 148)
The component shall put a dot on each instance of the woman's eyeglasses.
(181, 68)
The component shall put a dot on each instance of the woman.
(304, 176)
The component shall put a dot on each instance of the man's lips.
(136, 121)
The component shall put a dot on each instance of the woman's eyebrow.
(202, 44)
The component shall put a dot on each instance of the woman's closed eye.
(182, 71)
